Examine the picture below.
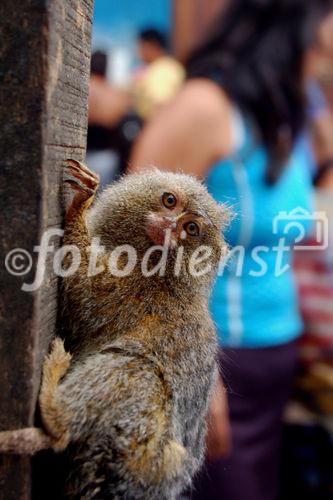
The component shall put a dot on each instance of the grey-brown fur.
(131, 404)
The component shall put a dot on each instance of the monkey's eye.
(169, 200)
(192, 228)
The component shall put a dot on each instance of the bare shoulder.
(204, 96)
(200, 104)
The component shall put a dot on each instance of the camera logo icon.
(302, 225)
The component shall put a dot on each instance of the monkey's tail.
(55, 367)
(25, 441)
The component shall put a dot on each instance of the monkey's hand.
(85, 182)
(53, 415)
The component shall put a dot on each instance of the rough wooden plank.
(45, 55)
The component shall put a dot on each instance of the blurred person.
(161, 76)
(112, 127)
(321, 137)
(321, 114)
(238, 124)
(107, 104)
(307, 465)
(314, 269)
(152, 45)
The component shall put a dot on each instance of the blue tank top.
(254, 301)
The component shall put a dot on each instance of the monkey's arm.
(77, 286)
(84, 183)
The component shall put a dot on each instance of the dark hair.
(256, 54)
(154, 36)
(98, 63)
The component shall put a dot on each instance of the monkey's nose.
(159, 228)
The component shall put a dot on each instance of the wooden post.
(44, 69)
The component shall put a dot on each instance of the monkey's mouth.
(167, 230)
(162, 230)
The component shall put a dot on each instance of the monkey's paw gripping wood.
(82, 180)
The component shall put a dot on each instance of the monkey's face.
(177, 220)
(163, 209)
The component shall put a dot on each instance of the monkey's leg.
(54, 416)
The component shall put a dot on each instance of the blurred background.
(121, 56)
(139, 54)
(116, 26)
(127, 37)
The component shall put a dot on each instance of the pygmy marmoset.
(127, 395)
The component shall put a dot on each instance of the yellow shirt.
(159, 82)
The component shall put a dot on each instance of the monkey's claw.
(80, 177)
(82, 180)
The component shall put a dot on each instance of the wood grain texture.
(44, 70)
